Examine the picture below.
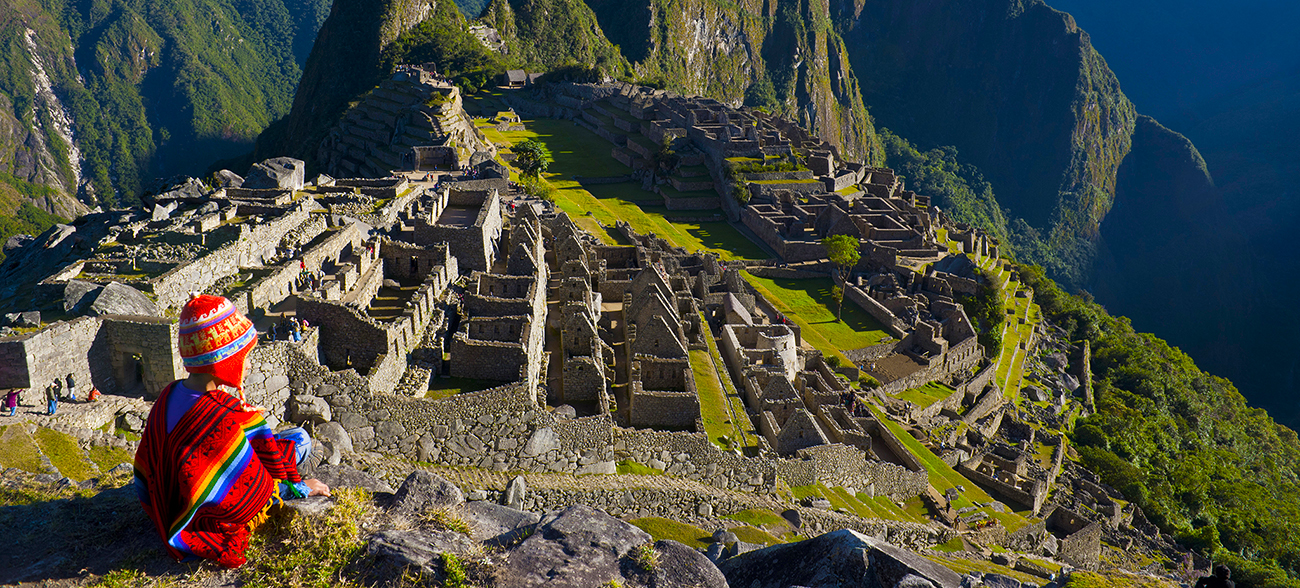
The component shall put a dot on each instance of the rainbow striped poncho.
(202, 483)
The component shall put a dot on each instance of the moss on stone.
(660, 528)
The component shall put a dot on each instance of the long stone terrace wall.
(876, 310)
(254, 245)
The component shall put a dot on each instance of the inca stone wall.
(96, 351)
(253, 245)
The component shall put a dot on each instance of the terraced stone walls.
(252, 246)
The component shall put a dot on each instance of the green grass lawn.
(717, 395)
(808, 303)
(661, 528)
(928, 394)
(713, 401)
(628, 466)
(107, 457)
(942, 476)
(577, 151)
(17, 450)
(447, 387)
(752, 535)
(63, 451)
(757, 517)
(966, 566)
(878, 507)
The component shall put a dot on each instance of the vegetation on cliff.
(27, 220)
(199, 77)
(1184, 445)
(443, 39)
(542, 35)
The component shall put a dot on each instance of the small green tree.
(843, 252)
(838, 294)
(530, 158)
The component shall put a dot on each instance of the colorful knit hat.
(214, 339)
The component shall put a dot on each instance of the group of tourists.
(54, 392)
(288, 329)
(308, 279)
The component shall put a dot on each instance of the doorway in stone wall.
(131, 373)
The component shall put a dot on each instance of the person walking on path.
(11, 401)
(72, 389)
(209, 470)
(51, 399)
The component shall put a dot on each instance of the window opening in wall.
(415, 266)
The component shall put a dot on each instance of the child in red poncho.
(208, 465)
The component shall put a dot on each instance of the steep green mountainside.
(116, 92)
(1018, 89)
(545, 34)
(97, 98)
(1183, 445)
(472, 8)
(781, 55)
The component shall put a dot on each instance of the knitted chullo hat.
(214, 339)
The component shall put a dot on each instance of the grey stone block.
(276, 173)
(516, 492)
(578, 547)
(424, 490)
(117, 298)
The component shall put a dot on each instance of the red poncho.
(205, 480)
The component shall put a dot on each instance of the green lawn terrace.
(596, 207)
(808, 303)
(1018, 336)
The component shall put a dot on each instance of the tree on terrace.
(843, 252)
(530, 158)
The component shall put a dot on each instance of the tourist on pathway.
(93, 396)
(51, 399)
(72, 389)
(209, 470)
(11, 401)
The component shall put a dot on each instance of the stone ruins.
(581, 355)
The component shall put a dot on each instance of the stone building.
(468, 220)
(503, 335)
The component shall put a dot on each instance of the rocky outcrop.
(577, 547)
(284, 173)
(840, 558)
(118, 298)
